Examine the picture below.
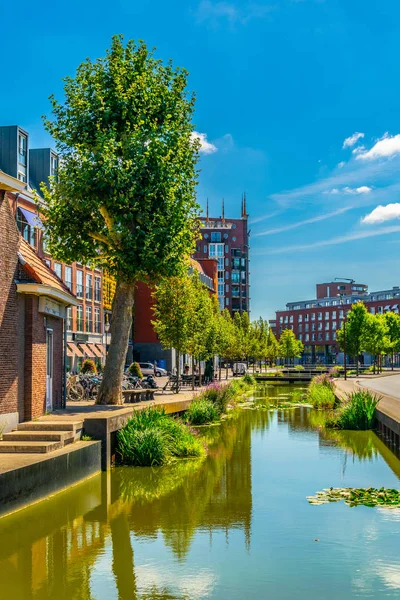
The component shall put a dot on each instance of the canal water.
(234, 526)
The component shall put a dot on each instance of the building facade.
(315, 322)
(85, 322)
(227, 241)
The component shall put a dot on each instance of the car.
(148, 369)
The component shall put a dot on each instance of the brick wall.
(8, 309)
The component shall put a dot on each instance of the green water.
(235, 526)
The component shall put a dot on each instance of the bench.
(132, 396)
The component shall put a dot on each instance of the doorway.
(49, 370)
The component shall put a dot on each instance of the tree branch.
(108, 220)
(100, 238)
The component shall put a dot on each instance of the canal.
(234, 526)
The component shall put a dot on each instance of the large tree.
(392, 321)
(289, 346)
(352, 330)
(124, 195)
(374, 337)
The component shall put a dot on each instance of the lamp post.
(344, 337)
(107, 329)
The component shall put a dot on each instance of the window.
(334, 336)
(326, 326)
(306, 317)
(97, 322)
(220, 264)
(79, 318)
(53, 165)
(286, 319)
(312, 316)
(327, 337)
(206, 236)
(235, 277)
(301, 337)
(280, 318)
(307, 337)
(334, 314)
(68, 277)
(220, 276)
(320, 337)
(313, 337)
(233, 239)
(220, 289)
(215, 236)
(22, 176)
(312, 326)
(341, 314)
(205, 249)
(227, 262)
(319, 316)
(89, 287)
(380, 310)
(69, 318)
(306, 327)
(300, 318)
(227, 301)
(226, 249)
(216, 250)
(97, 289)
(48, 262)
(79, 284)
(58, 270)
(320, 326)
(227, 288)
(89, 319)
(291, 319)
(226, 274)
(226, 236)
(326, 315)
(300, 327)
(334, 325)
(235, 253)
(372, 310)
(22, 142)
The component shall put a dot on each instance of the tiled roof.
(196, 265)
(38, 270)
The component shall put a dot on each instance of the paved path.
(389, 386)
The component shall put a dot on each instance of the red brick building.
(33, 305)
(315, 322)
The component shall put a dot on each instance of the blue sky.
(280, 86)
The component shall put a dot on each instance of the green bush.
(202, 411)
(152, 438)
(299, 368)
(88, 366)
(359, 412)
(135, 370)
(352, 372)
(321, 396)
(249, 379)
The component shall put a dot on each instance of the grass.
(358, 413)
(320, 392)
(202, 411)
(152, 438)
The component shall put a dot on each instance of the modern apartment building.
(227, 240)
(315, 322)
(85, 322)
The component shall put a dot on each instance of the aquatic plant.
(202, 411)
(320, 392)
(358, 496)
(152, 438)
(358, 412)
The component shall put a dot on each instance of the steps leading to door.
(40, 437)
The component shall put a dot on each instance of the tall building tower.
(227, 240)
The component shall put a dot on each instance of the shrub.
(249, 379)
(152, 438)
(324, 380)
(335, 371)
(359, 412)
(352, 372)
(88, 366)
(299, 368)
(135, 370)
(202, 411)
(320, 368)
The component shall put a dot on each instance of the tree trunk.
(193, 375)
(111, 385)
(392, 361)
(178, 366)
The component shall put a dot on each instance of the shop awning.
(387, 307)
(70, 354)
(31, 217)
(75, 350)
(102, 349)
(87, 351)
(395, 306)
(95, 350)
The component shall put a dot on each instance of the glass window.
(313, 337)
(215, 236)
(372, 310)
(320, 326)
(306, 317)
(300, 327)
(334, 326)
(79, 318)
(327, 336)
(291, 319)
(341, 314)
(220, 264)
(89, 287)
(97, 321)
(334, 314)
(320, 337)
(89, 319)
(205, 249)
(334, 336)
(69, 318)
(226, 248)
(53, 165)
(97, 289)
(300, 318)
(307, 337)
(22, 144)
(227, 287)
(300, 337)
(306, 327)
(220, 276)
(226, 274)
(235, 277)
(79, 284)
(326, 315)
(58, 269)
(68, 277)
(286, 319)
(312, 316)
(280, 319)
(227, 301)
(227, 262)
(220, 289)
(326, 326)
(319, 316)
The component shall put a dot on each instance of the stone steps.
(65, 437)
(29, 447)
(40, 437)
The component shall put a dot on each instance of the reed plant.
(202, 411)
(358, 413)
(320, 392)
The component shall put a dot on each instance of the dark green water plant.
(202, 411)
(359, 412)
(320, 392)
(152, 438)
(358, 496)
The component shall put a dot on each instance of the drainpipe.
(65, 360)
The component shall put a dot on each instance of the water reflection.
(165, 533)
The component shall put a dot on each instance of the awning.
(69, 352)
(102, 349)
(75, 350)
(95, 350)
(87, 351)
(395, 306)
(387, 307)
(31, 217)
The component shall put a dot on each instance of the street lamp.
(344, 336)
(107, 329)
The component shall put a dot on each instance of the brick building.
(227, 240)
(315, 322)
(146, 346)
(33, 304)
(85, 322)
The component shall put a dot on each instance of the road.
(384, 385)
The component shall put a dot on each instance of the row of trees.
(379, 334)
(188, 319)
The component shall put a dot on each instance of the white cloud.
(306, 222)
(387, 146)
(363, 189)
(265, 217)
(353, 139)
(358, 149)
(206, 147)
(214, 12)
(380, 214)
(341, 164)
(335, 241)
